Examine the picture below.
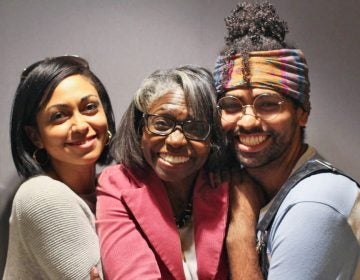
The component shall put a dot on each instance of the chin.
(249, 162)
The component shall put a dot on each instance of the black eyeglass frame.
(176, 124)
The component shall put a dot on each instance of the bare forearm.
(241, 247)
(246, 201)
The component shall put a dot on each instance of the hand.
(94, 274)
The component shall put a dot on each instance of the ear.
(34, 136)
(302, 117)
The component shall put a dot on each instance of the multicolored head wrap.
(284, 71)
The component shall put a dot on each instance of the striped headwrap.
(284, 71)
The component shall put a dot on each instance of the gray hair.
(194, 82)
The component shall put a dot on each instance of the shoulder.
(206, 184)
(330, 189)
(117, 177)
(41, 196)
(114, 175)
(110, 172)
(41, 188)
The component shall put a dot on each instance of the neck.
(80, 178)
(274, 174)
(179, 193)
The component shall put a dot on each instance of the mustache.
(233, 134)
(241, 130)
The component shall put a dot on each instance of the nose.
(252, 111)
(248, 120)
(176, 139)
(79, 124)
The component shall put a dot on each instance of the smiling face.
(72, 125)
(259, 142)
(174, 158)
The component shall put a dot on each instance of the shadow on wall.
(7, 192)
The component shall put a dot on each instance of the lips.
(172, 159)
(252, 140)
(83, 143)
(251, 143)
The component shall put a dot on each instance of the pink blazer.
(138, 234)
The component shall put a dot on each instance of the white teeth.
(174, 159)
(79, 143)
(252, 140)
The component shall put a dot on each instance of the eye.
(197, 130)
(230, 104)
(161, 124)
(267, 103)
(57, 117)
(91, 107)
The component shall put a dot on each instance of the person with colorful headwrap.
(263, 91)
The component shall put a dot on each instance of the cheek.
(54, 135)
(281, 123)
(202, 152)
(101, 123)
(146, 147)
(227, 126)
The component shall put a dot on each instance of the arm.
(311, 237)
(246, 200)
(124, 249)
(57, 228)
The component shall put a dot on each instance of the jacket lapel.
(151, 209)
(210, 218)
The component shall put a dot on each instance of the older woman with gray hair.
(159, 214)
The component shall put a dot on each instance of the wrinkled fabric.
(284, 71)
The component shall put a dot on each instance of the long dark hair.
(36, 86)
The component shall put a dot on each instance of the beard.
(280, 144)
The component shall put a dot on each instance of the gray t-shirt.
(316, 232)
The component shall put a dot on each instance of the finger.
(94, 274)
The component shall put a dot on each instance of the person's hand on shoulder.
(94, 274)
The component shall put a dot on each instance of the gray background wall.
(125, 40)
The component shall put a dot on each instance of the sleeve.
(124, 249)
(312, 241)
(56, 229)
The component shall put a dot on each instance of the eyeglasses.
(265, 106)
(192, 130)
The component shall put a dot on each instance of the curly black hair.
(253, 27)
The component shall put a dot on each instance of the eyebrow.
(61, 105)
(88, 96)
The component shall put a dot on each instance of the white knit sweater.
(52, 233)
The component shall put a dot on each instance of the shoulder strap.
(313, 166)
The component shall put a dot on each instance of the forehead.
(72, 88)
(250, 93)
(169, 103)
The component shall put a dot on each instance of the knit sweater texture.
(52, 233)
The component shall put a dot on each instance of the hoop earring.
(41, 159)
(109, 136)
